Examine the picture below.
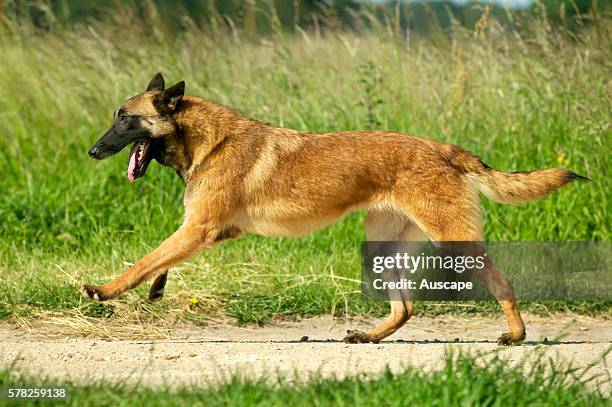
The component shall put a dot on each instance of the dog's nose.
(93, 151)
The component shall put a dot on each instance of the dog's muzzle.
(93, 152)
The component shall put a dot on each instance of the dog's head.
(144, 120)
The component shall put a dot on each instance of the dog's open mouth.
(139, 159)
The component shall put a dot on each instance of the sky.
(509, 3)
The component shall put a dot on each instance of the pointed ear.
(170, 97)
(157, 83)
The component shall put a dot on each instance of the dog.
(244, 176)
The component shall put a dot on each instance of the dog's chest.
(280, 219)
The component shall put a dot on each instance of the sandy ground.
(201, 355)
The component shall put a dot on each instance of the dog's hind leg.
(457, 218)
(502, 290)
(389, 227)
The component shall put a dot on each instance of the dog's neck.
(202, 126)
(175, 155)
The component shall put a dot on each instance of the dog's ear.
(170, 98)
(157, 83)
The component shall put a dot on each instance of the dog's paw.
(155, 295)
(508, 339)
(356, 337)
(156, 292)
(92, 292)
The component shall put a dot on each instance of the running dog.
(244, 176)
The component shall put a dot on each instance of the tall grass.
(522, 99)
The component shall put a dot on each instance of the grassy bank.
(522, 100)
(464, 381)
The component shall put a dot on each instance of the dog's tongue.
(132, 164)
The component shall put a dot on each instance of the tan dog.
(245, 176)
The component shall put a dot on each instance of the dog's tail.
(511, 187)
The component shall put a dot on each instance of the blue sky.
(509, 3)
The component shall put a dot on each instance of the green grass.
(538, 98)
(464, 381)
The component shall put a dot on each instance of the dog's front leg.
(156, 292)
(184, 243)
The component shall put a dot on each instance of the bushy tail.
(512, 187)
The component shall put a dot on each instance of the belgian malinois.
(241, 175)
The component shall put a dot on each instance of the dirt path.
(194, 355)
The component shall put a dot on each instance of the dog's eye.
(123, 119)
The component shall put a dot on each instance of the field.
(521, 99)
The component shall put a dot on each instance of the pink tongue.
(132, 165)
